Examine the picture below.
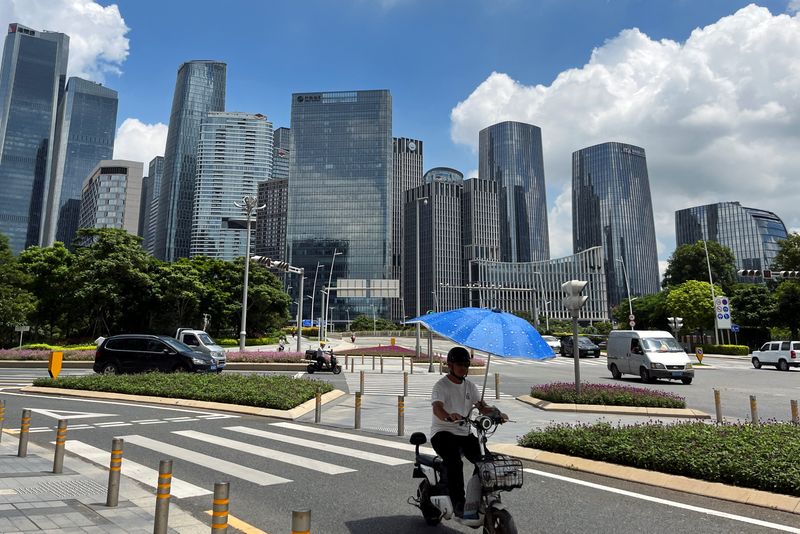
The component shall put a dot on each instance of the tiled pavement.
(33, 499)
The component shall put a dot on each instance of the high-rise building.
(144, 207)
(752, 234)
(281, 148)
(199, 89)
(85, 130)
(406, 174)
(340, 196)
(155, 173)
(443, 174)
(612, 208)
(110, 196)
(440, 246)
(234, 155)
(271, 221)
(32, 79)
(511, 154)
(480, 229)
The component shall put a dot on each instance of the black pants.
(450, 447)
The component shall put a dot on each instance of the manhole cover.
(63, 488)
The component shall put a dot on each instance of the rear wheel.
(644, 374)
(756, 363)
(615, 372)
(311, 368)
(783, 365)
(498, 522)
(430, 513)
(110, 368)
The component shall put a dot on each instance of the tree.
(15, 302)
(650, 311)
(788, 256)
(178, 290)
(51, 282)
(692, 301)
(688, 262)
(753, 305)
(363, 323)
(788, 305)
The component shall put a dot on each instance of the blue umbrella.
(490, 330)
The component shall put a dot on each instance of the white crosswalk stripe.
(352, 437)
(26, 378)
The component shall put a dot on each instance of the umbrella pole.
(486, 375)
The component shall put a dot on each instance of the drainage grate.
(64, 488)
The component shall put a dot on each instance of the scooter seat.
(431, 461)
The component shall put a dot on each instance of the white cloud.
(719, 116)
(794, 6)
(97, 45)
(138, 141)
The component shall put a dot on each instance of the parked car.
(130, 353)
(651, 354)
(554, 343)
(200, 341)
(781, 354)
(585, 347)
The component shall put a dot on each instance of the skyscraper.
(612, 208)
(85, 130)
(281, 147)
(340, 196)
(32, 79)
(480, 229)
(199, 89)
(752, 234)
(110, 196)
(234, 155)
(406, 174)
(155, 173)
(511, 154)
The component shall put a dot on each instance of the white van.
(651, 354)
(202, 342)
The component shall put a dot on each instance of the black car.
(132, 353)
(585, 347)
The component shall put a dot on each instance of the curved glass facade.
(612, 208)
(444, 174)
(199, 89)
(511, 154)
(752, 234)
(340, 194)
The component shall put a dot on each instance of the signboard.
(54, 365)
(631, 317)
(722, 313)
(735, 328)
(632, 323)
(20, 328)
(698, 352)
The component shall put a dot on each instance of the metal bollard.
(497, 386)
(114, 471)
(301, 522)
(373, 362)
(162, 497)
(405, 384)
(440, 366)
(753, 409)
(361, 382)
(346, 361)
(24, 427)
(381, 364)
(2, 417)
(795, 415)
(403, 364)
(219, 514)
(318, 408)
(411, 360)
(718, 405)
(61, 439)
(353, 365)
(357, 422)
(401, 415)
(362, 359)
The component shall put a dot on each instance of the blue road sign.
(735, 328)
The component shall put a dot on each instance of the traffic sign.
(22, 328)
(631, 317)
(698, 352)
(632, 323)
(735, 328)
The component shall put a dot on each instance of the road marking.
(152, 422)
(209, 462)
(111, 425)
(298, 375)
(666, 502)
(131, 469)
(352, 437)
(272, 454)
(240, 525)
(180, 419)
(335, 449)
(66, 414)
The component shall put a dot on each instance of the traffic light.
(269, 262)
(676, 323)
(749, 272)
(788, 274)
(573, 300)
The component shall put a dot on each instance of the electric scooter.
(493, 474)
(331, 364)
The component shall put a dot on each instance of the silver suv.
(781, 354)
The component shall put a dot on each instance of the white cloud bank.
(97, 45)
(719, 117)
(138, 141)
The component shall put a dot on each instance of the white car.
(553, 342)
(781, 354)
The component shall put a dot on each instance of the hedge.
(734, 350)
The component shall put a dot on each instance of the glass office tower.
(199, 89)
(612, 208)
(233, 157)
(32, 79)
(155, 173)
(407, 157)
(752, 234)
(85, 130)
(511, 154)
(281, 147)
(340, 196)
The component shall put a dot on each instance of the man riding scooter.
(452, 398)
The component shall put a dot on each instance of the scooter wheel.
(337, 369)
(310, 369)
(430, 513)
(499, 522)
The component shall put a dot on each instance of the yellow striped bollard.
(162, 497)
(61, 440)
(401, 415)
(2, 417)
(114, 472)
(24, 427)
(301, 522)
(219, 515)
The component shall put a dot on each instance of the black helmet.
(458, 355)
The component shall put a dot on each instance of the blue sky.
(707, 87)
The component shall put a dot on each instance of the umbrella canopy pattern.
(490, 330)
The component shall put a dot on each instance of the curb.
(292, 414)
(716, 490)
(620, 410)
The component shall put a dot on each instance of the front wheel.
(498, 522)
(686, 380)
(337, 369)
(311, 368)
(644, 374)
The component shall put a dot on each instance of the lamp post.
(535, 298)
(435, 300)
(374, 330)
(321, 314)
(547, 315)
(425, 201)
(628, 290)
(282, 265)
(713, 297)
(328, 294)
(249, 204)
(314, 291)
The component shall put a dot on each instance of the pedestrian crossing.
(255, 461)
(419, 385)
(12, 380)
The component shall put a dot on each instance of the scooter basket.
(500, 473)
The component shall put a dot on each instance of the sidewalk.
(33, 499)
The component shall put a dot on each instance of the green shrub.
(735, 350)
(250, 341)
(740, 454)
(276, 392)
(607, 394)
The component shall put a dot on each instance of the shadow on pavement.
(398, 524)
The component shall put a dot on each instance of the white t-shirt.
(458, 398)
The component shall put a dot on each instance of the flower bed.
(607, 394)
(44, 355)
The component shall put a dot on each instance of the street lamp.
(374, 329)
(628, 290)
(547, 315)
(328, 295)
(435, 300)
(314, 291)
(419, 312)
(321, 314)
(250, 204)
